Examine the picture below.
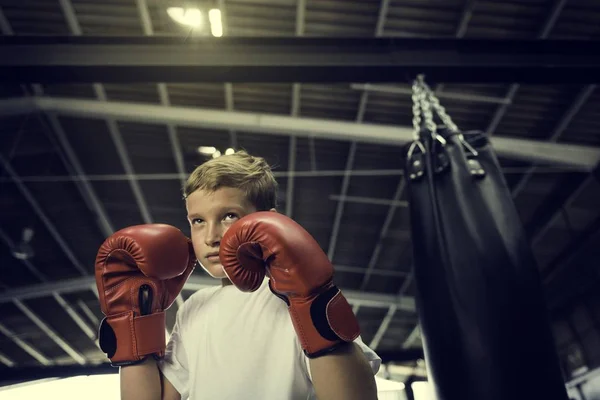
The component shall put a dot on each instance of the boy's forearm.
(343, 374)
(141, 381)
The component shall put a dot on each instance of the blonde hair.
(239, 170)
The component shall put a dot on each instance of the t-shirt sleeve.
(372, 357)
(174, 365)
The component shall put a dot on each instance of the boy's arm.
(301, 274)
(139, 272)
(144, 381)
(343, 374)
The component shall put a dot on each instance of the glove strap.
(323, 323)
(127, 339)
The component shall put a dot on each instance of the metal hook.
(417, 169)
(411, 149)
(467, 145)
(440, 138)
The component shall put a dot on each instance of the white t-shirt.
(231, 345)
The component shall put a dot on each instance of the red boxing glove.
(140, 270)
(300, 274)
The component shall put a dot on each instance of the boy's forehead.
(203, 200)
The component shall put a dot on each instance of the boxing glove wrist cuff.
(323, 322)
(127, 339)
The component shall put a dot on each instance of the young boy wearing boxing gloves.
(276, 328)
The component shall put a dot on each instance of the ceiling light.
(186, 16)
(229, 151)
(23, 250)
(216, 154)
(207, 150)
(216, 26)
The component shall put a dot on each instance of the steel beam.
(383, 233)
(119, 143)
(582, 158)
(289, 195)
(465, 18)
(194, 283)
(559, 212)
(337, 220)
(278, 174)
(5, 27)
(551, 19)
(169, 59)
(382, 328)
(5, 359)
(56, 338)
(371, 200)
(312, 153)
(26, 347)
(412, 337)
(501, 110)
(70, 17)
(17, 106)
(415, 333)
(391, 311)
(59, 299)
(228, 88)
(560, 128)
(90, 333)
(65, 286)
(547, 152)
(375, 271)
(514, 88)
(88, 313)
(171, 176)
(585, 240)
(369, 87)
(173, 137)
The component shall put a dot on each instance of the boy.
(226, 343)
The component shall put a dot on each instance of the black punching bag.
(484, 324)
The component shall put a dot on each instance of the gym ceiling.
(106, 106)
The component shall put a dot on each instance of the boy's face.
(210, 214)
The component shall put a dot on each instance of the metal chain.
(427, 114)
(441, 111)
(416, 109)
(446, 118)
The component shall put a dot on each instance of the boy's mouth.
(213, 257)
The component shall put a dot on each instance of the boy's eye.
(196, 221)
(230, 216)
